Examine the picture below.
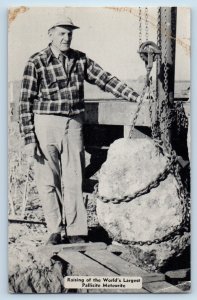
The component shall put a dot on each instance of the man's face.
(61, 37)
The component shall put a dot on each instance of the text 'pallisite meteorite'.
(101, 282)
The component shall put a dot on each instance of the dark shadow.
(95, 138)
(144, 130)
(88, 185)
(181, 262)
(101, 135)
(91, 112)
(98, 234)
(98, 157)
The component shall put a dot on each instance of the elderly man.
(51, 121)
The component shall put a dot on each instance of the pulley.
(148, 52)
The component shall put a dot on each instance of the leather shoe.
(54, 239)
(76, 239)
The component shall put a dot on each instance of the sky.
(108, 36)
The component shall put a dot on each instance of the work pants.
(59, 172)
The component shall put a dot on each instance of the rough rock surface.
(32, 272)
(131, 165)
(158, 257)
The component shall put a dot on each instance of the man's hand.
(147, 97)
(30, 150)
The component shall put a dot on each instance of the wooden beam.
(54, 249)
(161, 287)
(166, 68)
(181, 274)
(118, 112)
(168, 47)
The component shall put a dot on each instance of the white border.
(3, 139)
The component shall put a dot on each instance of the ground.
(22, 189)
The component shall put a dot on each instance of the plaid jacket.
(48, 89)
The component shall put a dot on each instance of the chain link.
(140, 25)
(165, 59)
(146, 24)
(158, 67)
(153, 184)
(181, 118)
(175, 231)
(154, 119)
(138, 109)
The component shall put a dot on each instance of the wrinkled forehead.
(63, 29)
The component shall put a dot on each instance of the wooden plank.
(84, 264)
(185, 286)
(181, 274)
(54, 249)
(21, 221)
(127, 129)
(153, 277)
(115, 113)
(161, 287)
(118, 112)
(122, 267)
(87, 267)
(116, 248)
(115, 263)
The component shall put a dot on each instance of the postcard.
(99, 150)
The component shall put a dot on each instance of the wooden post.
(127, 129)
(168, 46)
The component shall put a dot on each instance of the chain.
(164, 112)
(164, 118)
(165, 58)
(140, 25)
(165, 122)
(158, 67)
(138, 108)
(158, 62)
(154, 122)
(146, 23)
(175, 231)
(153, 184)
(159, 27)
(181, 118)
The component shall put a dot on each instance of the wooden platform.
(96, 260)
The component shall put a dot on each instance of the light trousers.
(59, 172)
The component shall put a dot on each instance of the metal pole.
(166, 70)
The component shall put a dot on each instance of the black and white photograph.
(99, 150)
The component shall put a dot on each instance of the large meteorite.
(131, 165)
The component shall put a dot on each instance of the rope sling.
(160, 124)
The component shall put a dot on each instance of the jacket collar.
(48, 55)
